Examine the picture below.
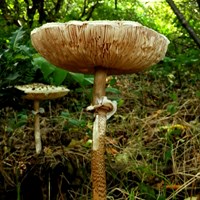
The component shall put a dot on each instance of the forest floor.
(152, 144)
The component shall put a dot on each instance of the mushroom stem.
(98, 148)
(38, 143)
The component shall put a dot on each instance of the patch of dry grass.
(152, 145)
(162, 149)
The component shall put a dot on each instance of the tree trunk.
(184, 23)
(198, 2)
(115, 4)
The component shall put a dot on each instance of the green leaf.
(88, 80)
(12, 77)
(75, 122)
(148, 191)
(59, 76)
(21, 56)
(171, 108)
(120, 102)
(113, 81)
(131, 195)
(44, 65)
(112, 90)
(168, 154)
(173, 96)
(16, 38)
(77, 77)
(65, 114)
(198, 94)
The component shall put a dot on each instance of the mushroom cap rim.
(39, 91)
(90, 68)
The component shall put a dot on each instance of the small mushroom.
(38, 92)
(101, 48)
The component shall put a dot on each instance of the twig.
(184, 186)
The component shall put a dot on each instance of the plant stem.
(98, 148)
(49, 186)
(18, 185)
(38, 143)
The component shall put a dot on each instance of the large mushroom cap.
(39, 91)
(121, 47)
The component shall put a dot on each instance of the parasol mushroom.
(101, 48)
(38, 92)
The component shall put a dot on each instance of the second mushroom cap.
(39, 91)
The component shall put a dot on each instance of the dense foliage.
(25, 15)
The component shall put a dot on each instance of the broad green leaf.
(44, 65)
(59, 76)
(77, 77)
(112, 90)
(88, 81)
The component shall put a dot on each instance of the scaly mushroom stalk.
(38, 143)
(99, 130)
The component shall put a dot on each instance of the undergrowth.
(152, 144)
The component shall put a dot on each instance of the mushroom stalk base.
(38, 143)
(98, 160)
(98, 149)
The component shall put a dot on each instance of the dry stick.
(49, 186)
(38, 144)
(184, 186)
(98, 148)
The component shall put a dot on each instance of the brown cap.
(39, 91)
(121, 47)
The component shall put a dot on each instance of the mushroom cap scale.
(39, 91)
(119, 47)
